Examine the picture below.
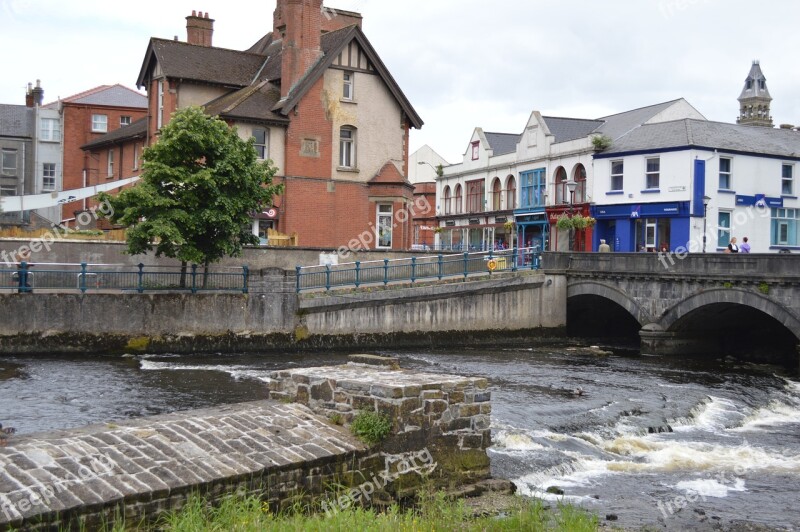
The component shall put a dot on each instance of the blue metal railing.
(441, 266)
(26, 277)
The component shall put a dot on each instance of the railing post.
(140, 287)
(466, 265)
(358, 274)
(413, 268)
(246, 275)
(327, 277)
(194, 278)
(83, 278)
(534, 260)
(385, 272)
(297, 283)
(441, 267)
(514, 259)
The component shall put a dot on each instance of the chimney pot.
(194, 13)
(199, 29)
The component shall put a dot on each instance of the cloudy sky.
(462, 63)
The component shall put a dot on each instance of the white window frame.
(135, 155)
(726, 174)
(160, 111)
(654, 175)
(48, 177)
(8, 170)
(348, 86)
(262, 150)
(124, 121)
(476, 150)
(99, 123)
(722, 229)
(8, 190)
(347, 147)
(620, 175)
(384, 214)
(787, 180)
(50, 130)
(110, 164)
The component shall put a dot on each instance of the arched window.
(511, 193)
(497, 193)
(459, 207)
(447, 207)
(560, 184)
(579, 175)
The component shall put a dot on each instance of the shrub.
(763, 288)
(371, 427)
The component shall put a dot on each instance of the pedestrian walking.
(745, 247)
(733, 247)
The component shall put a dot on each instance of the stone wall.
(281, 453)
(447, 417)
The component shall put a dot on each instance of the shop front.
(476, 234)
(642, 227)
(533, 230)
(569, 239)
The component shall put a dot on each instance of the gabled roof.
(253, 103)
(619, 124)
(566, 129)
(17, 121)
(332, 45)
(135, 130)
(389, 175)
(705, 134)
(107, 95)
(502, 143)
(205, 64)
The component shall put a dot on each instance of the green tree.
(200, 184)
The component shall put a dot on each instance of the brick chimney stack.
(199, 29)
(38, 94)
(299, 23)
(29, 96)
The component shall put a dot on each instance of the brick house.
(321, 105)
(85, 117)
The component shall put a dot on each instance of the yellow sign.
(492, 265)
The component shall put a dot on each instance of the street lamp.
(436, 170)
(571, 186)
(706, 201)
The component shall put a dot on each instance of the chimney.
(29, 96)
(199, 29)
(299, 22)
(38, 94)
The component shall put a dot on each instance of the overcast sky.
(462, 63)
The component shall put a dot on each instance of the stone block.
(471, 441)
(390, 392)
(481, 422)
(435, 407)
(302, 395)
(301, 379)
(322, 391)
(362, 402)
(456, 396)
(431, 394)
(412, 391)
(467, 410)
(486, 408)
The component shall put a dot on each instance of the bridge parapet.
(783, 268)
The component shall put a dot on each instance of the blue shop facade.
(652, 227)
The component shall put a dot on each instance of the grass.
(371, 427)
(434, 513)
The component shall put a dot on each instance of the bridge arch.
(611, 293)
(675, 318)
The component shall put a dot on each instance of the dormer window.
(476, 150)
(347, 88)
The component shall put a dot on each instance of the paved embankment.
(143, 466)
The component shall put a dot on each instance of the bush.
(371, 427)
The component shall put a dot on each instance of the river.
(649, 442)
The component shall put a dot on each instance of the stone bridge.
(700, 303)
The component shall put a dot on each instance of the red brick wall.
(170, 104)
(310, 121)
(77, 132)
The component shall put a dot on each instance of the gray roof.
(17, 121)
(756, 78)
(135, 130)
(566, 129)
(110, 95)
(253, 103)
(620, 124)
(705, 134)
(502, 143)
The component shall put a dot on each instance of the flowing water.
(653, 442)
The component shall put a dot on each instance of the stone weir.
(280, 451)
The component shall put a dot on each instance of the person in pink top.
(745, 247)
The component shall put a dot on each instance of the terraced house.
(319, 102)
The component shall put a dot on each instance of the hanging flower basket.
(578, 222)
(564, 222)
(438, 230)
(508, 226)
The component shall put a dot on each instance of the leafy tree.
(200, 184)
